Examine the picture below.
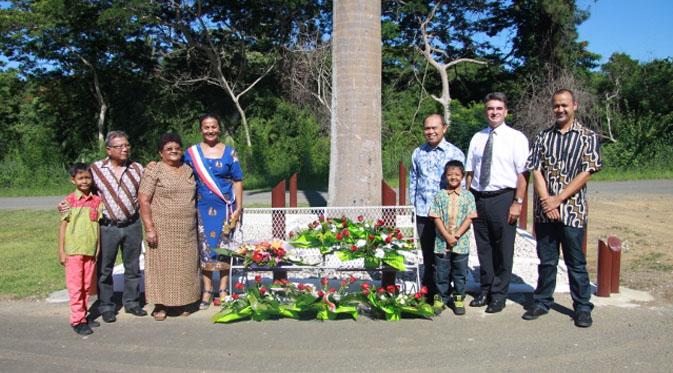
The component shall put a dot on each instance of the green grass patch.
(60, 189)
(654, 261)
(624, 174)
(30, 266)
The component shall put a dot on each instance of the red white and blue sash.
(204, 173)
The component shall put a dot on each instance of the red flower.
(331, 290)
(344, 282)
(418, 295)
(285, 281)
(324, 281)
(320, 293)
(381, 290)
(346, 232)
(301, 286)
(379, 223)
(361, 218)
(343, 220)
(258, 279)
(321, 217)
(277, 282)
(257, 257)
(397, 287)
(365, 292)
(400, 235)
(424, 290)
(390, 288)
(239, 286)
(352, 279)
(234, 296)
(389, 239)
(365, 285)
(262, 290)
(354, 248)
(339, 236)
(371, 237)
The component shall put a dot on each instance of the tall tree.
(74, 38)
(355, 150)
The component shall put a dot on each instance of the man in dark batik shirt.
(562, 160)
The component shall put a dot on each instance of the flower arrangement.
(376, 243)
(300, 301)
(262, 254)
(392, 304)
(286, 299)
(256, 302)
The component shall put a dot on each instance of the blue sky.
(642, 29)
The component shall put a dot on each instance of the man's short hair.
(454, 164)
(78, 167)
(114, 135)
(498, 96)
(441, 117)
(564, 90)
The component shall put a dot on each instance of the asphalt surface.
(261, 198)
(629, 336)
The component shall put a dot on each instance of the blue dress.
(213, 213)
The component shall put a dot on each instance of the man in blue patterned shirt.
(425, 180)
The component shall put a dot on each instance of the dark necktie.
(486, 158)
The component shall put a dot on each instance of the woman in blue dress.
(219, 200)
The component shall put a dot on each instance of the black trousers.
(426, 233)
(129, 238)
(495, 243)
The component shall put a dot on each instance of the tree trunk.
(355, 148)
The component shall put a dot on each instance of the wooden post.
(402, 188)
(604, 270)
(615, 246)
(278, 219)
(293, 190)
(388, 199)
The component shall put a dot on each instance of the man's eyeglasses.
(120, 147)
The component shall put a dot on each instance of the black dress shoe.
(583, 319)
(480, 301)
(82, 329)
(109, 316)
(534, 312)
(137, 311)
(92, 323)
(495, 306)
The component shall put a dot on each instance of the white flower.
(360, 243)
(332, 228)
(384, 236)
(318, 228)
(378, 253)
(402, 301)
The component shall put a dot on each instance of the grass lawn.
(30, 266)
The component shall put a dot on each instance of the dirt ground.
(643, 226)
(639, 214)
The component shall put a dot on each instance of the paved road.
(35, 337)
(257, 198)
(261, 198)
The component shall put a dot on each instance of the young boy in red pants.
(78, 246)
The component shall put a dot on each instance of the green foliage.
(287, 141)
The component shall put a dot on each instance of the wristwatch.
(519, 200)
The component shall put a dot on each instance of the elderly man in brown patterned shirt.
(117, 180)
(562, 160)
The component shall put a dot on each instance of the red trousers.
(80, 271)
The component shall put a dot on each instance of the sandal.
(159, 315)
(205, 303)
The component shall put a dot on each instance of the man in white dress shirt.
(497, 176)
